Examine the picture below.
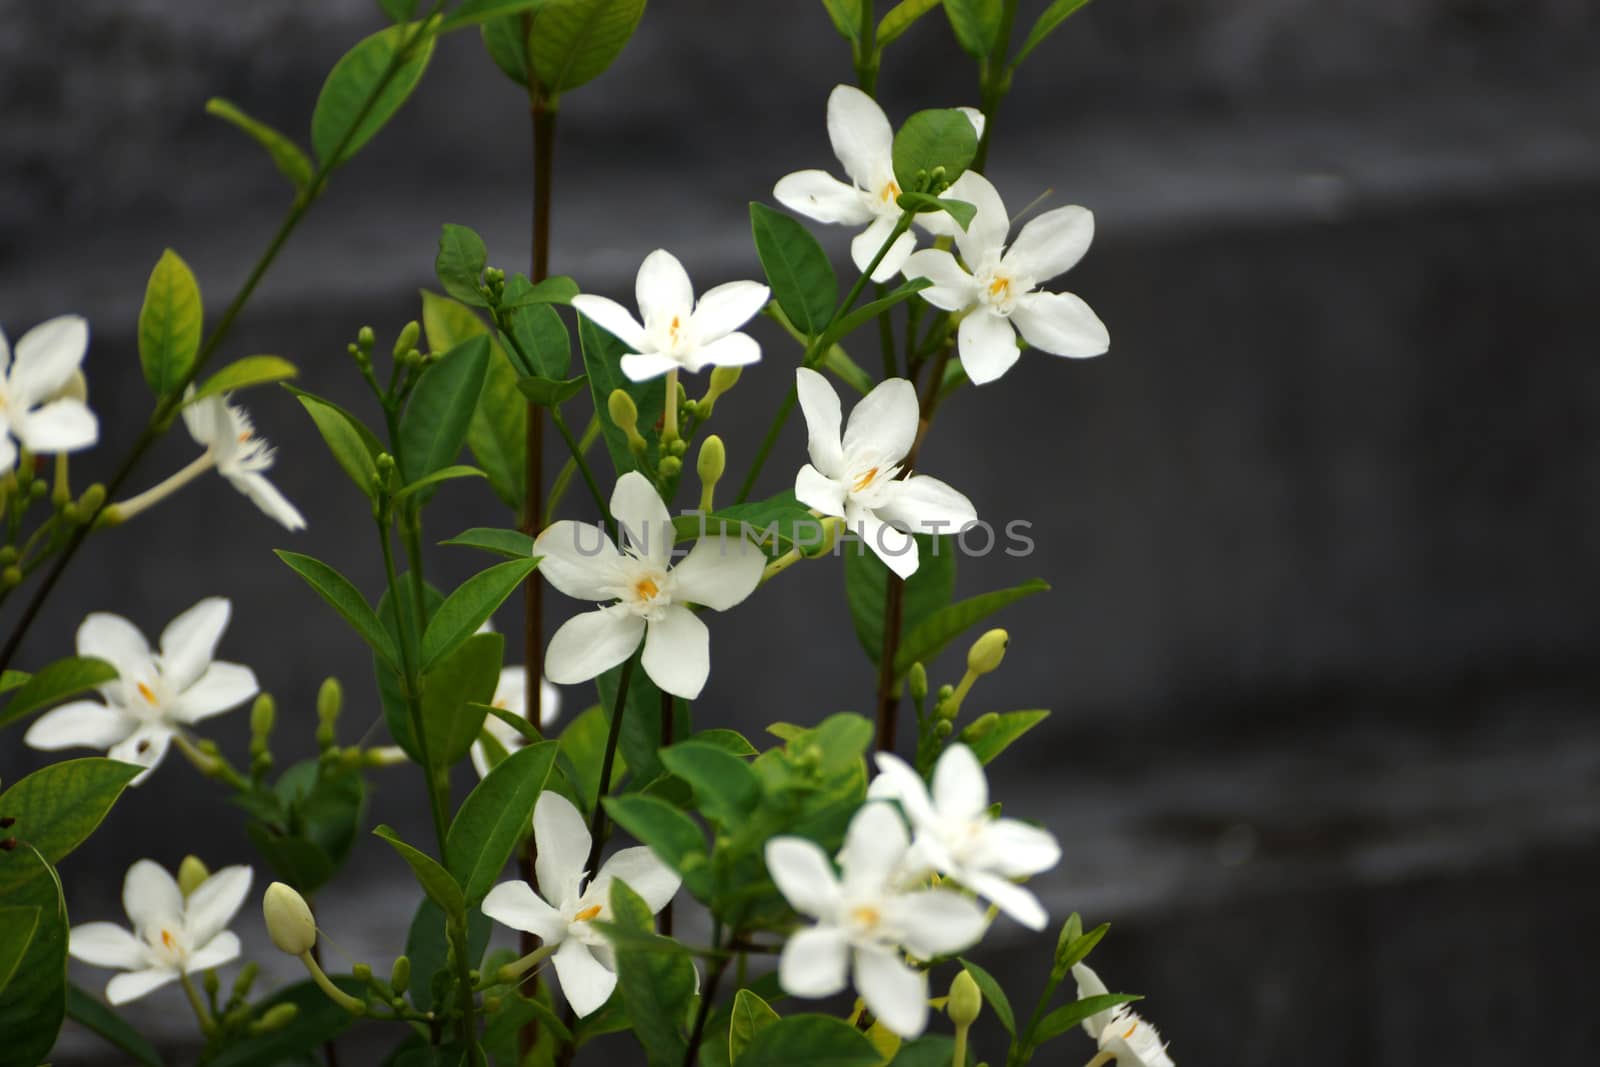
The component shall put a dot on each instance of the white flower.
(31, 407)
(956, 835)
(997, 287)
(864, 142)
(171, 935)
(562, 912)
(864, 921)
(649, 593)
(240, 456)
(857, 476)
(154, 695)
(1121, 1033)
(511, 694)
(679, 333)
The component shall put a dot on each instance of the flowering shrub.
(853, 869)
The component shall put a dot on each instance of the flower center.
(149, 698)
(865, 480)
(998, 288)
(1131, 1029)
(646, 589)
(587, 913)
(866, 916)
(890, 192)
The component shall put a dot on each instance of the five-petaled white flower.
(155, 695)
(32, 407)
(997, 288)
(864, 920)
(679, 333)
(864, 142)
(563, 910)
(240, 455)
(957, 837)
(649, 593)
(511, 694)
(857, 476)
(172, 935)
(1121, 1034)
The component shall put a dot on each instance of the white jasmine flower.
(155, 695)
(649, 594)
(957, 837)
(511, 694)
(864, 142)
(563, 909)
(32, 409)
(864, 921)
(1122, 1035)
(240, 455)
(997, 287)
(679, 333)
(171, 936)
(857, 476)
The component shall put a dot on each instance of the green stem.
(597, 821)
(886, 338)
(207, 1025)
(959, 1059)
(996, 82)
(690, 1055)
(669, 417)
(591, 434)
(578, 448)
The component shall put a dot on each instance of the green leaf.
(435, 422)
(923, 203)
(725, 788)
(774, 525)
(342, 596)
(57, 807)
(428, 948)
(994, 995)
(391, 685)
(810, 1041)
(354, 447)
(582, 754)
(867, 579)
(318, 1021)
(549, 393)
(1046, 24)
(16, 932)
(657, 986)
(450, 689)
(87, 1011)
(602, 360)
(1074, 945)
(495, 816)
(34, 1002)
(930, 1050)
(976, 24)
(521, 293)
(507, 45)
(751, 1015)
(356, 79)
(841, 740)
(13, 680)
(988, 737)
(470, 606)
(513, 544)
(472, 12)
(641, 723)
(435, 881)
(61, 679)
(294, 859)
(460, 262)
(802, 279)
(928, 637)
(871, 310)
(939, 137)
(170, 324)
(290, 160)
(446, 474)
(959, 210)
(245, 373)
(1072, 1015)
(846, 16)
(730, 741)
(573, 42)
(671, 835)
(539, 341)
(900, 18)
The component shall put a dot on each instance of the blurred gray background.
(1320, 650)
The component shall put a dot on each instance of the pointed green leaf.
(460, 262)
(359, 77)
(470, 606)
(435, 881)
(573, 42)
(798, 270)
(872, 309)
(472, 12)
(447, 474)
(549, 393)
(846, 17)
(521, 293)
(87, 1011)
(671, 835)
(54, 683)
(1047, 23)
(976, 24)
(927, 637)
(1071, 1016)
(34, 1002)
(453, 691)
(246, 373)
(657, 986)
(994, 995)
(513, 544)
(56, 808)
(498, 433)
(582, 753)
(751, 1015)
(900, 18)
(991, 734)
(342, 596)
(725, 788)
(435, 422)
(538, 340)
(290, 160)
(867, 581)
(602, 360)
(495, 816)
(354, 447)
(507, 44)
(16, 932)
(170, 324)
(938, 137)
(810, 1041)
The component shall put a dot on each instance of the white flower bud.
(289, 919)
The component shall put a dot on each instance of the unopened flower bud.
(365, 339)
(211, 984)
(400, 975)
(191, 872)
(246, 979)
(8, 555)
(987, 652)
(11, 577)
(670, 466)
(276, 1018)
(407, 339)
(966, 1000)
(943, 729)
(263, 716)
(709, 465)
(722, 379)
(93, 499)
(981, 726)
(361, 972)
(917, 682)
(625, 413)
(289, 920)
(38, 489)
(679, 448)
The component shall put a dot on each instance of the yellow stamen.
(646, 588)
(866, 916)
(244, 436)
(167, 938)
(890, 192)
(865, 480)
(999, 286)
(1131, 1029)
(586, 914)
(150, 697)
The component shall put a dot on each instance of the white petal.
(896, 548)
(927, 505)
(727, 307)
(1051, 244)
(819, 402)
(986, 232)
(115, 640)
(107, 945)
(215, 901)
(953, 289)
(895, 993)
(264, 495)
(579, 559)
(145, 747)
(988, 345)
(640, 870)
(83, 723)
(896, 780)
(8, 451)
(864, 246)
(224, 948)
(46, 357)
(718, 572)
(135, 984)
(5, 353)
(590, 644)
(883, 425)
(861, 136)
(873, 847)
(816, 490)
(975, 117)
(663, 289)
(611, 317)
(643, 368)
(816, 194)
(189, 643)
(511, 693)
(803, 875)
(960, 789)
(1016, 901)
(734, 350)
(59, 426)
(814, 962)
(222, 687)
(1017, 850)
(516, 905)
(150, 896)
(563, 842)
(550, 703)
(1090, 985)
(677, 652)
(935, 922)
(642, 517)
(585, 981)
(1061, 324)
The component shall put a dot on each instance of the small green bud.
(946, 691)
(722, 379)
(71, 514)
(275, 1018)
(625, 413)
(494, 276)
(211, 983)
(8, 555)
(385, 464)
(679, 447)
(330, 699)
(361, 972)
(400, 974)
(191, 872)
(11, 577)
(943, 729)
(966, 1000)
(670, 466)
(987, 652)
(491, 1004)
(981, 726)
(365, 339)
(407, 339)
(263, 716)
(917, 681)
(93, 499)
(246, 979)
(289, 920)
(38, 489)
